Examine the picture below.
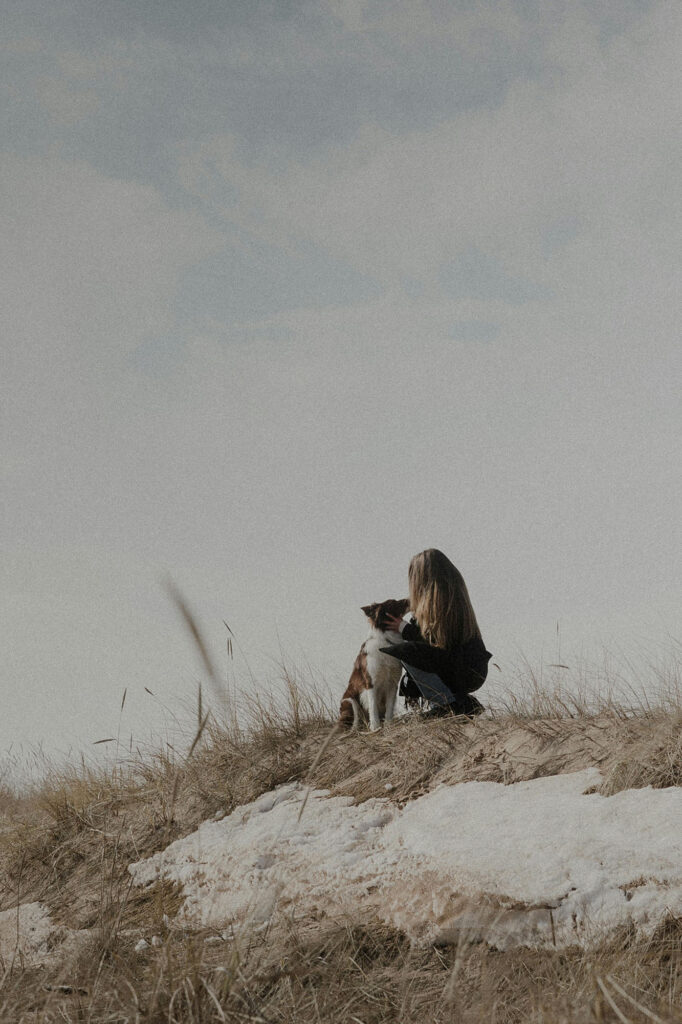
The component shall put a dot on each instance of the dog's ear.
(370, 609)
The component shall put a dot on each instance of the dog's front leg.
(390, 705)
(374, 721)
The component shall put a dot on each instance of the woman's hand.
(394, 622)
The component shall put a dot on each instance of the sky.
(293, 290)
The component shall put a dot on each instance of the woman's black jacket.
(463, 668)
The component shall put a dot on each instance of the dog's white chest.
(383, 671)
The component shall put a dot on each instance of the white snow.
(534, 863)
(25, 932)
(28, 937)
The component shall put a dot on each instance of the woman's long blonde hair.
(440, 600)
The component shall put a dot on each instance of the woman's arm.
(463, 668)
(411, 632)
(408, 628)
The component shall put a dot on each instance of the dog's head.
(377, 612)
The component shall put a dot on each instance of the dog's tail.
(349, 713)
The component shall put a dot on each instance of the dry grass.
(339, 973)
(69, 842)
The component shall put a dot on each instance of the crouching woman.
(442, 653)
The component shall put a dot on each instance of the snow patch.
(25, 933)
(537, 863)
(29, 937)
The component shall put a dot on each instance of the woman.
(442, 650)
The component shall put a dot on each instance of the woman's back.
(442, 639)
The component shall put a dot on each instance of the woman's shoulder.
(477, 648)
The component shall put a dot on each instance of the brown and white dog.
(373, 685)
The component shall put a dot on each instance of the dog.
(373, 685)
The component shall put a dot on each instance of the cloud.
(93, 263)
(92, 269)
(596, 146)
(64, 103)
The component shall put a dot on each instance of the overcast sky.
(292, 290)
